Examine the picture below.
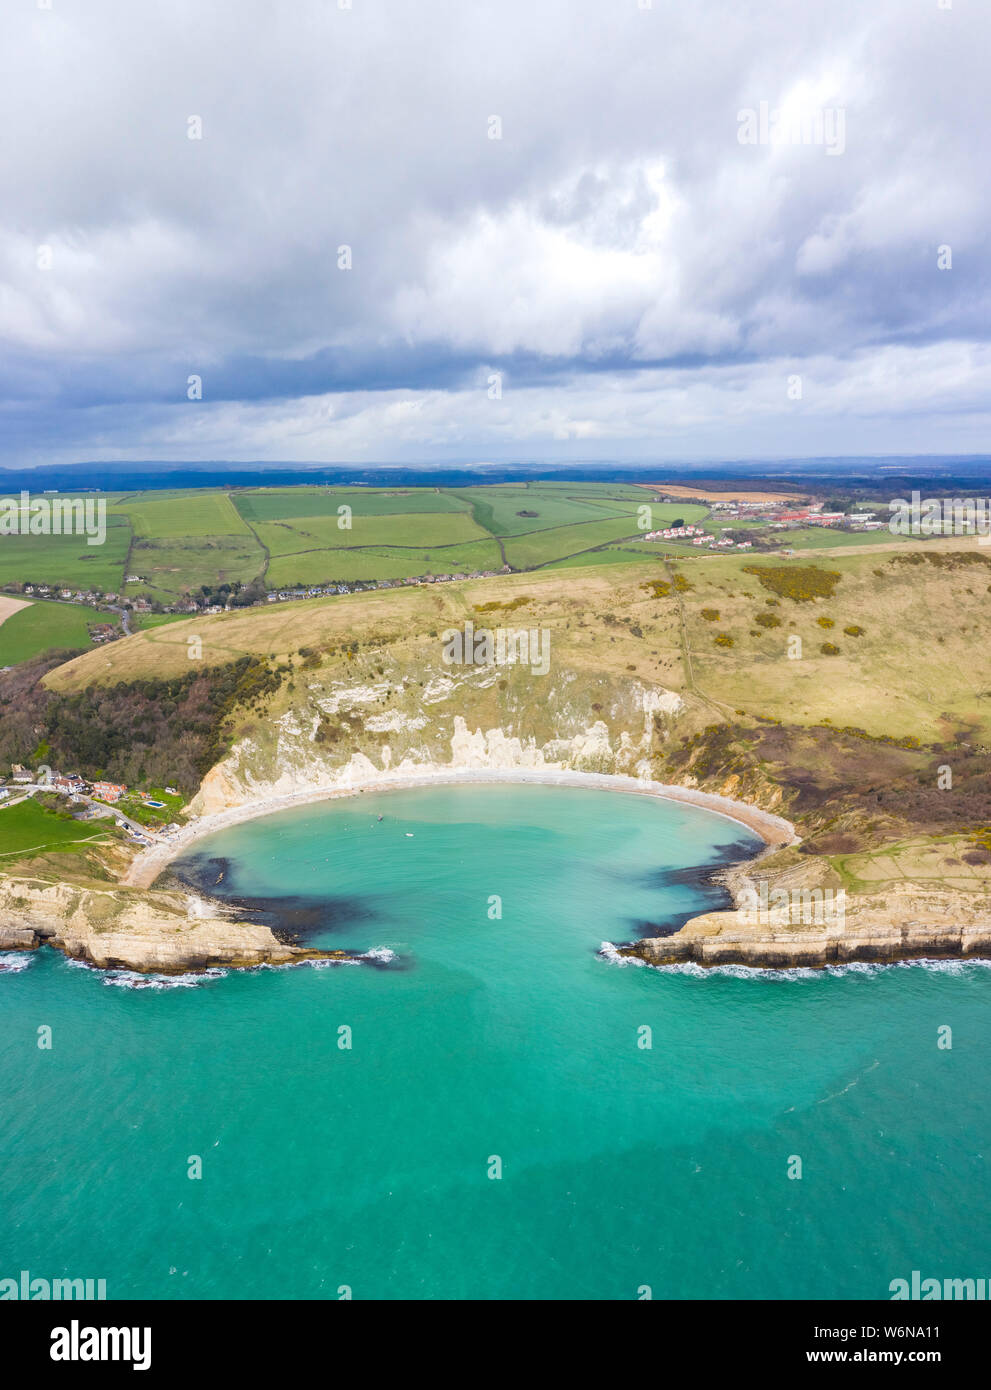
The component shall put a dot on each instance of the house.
(108, 791)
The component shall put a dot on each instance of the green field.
(276, 504)
(44, 626)
(141, 621)
(67, 560)
(171, 568)
(538, 547)
(192, 514)
(178, 541)
(315, 567)
(611, 555)
(422, 530)
(499, 509)
(27, 827)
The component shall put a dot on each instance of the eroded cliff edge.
(112, 927)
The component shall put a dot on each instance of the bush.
(828, 649)
(711, 615)
(724, 640)
(802, 583)
(854, 631)
(767, 620)
(825, 622)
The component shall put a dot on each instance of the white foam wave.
(131, 979)
(13, 962)
(609, 952)
(792, 974)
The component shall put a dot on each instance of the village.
(772, 516)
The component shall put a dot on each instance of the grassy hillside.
(894, 648)
(28, 827)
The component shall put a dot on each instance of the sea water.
(489, 1106)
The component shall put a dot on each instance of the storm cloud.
(437, 229)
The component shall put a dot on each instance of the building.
(108, 791)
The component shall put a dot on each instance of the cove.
(623, 1167)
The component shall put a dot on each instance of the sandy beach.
(146, 867)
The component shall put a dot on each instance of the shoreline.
(149, 864)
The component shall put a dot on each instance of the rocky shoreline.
(179, 927)
(899, 925)
(790, 949)
(162, 933)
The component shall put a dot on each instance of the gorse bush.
(802, 583)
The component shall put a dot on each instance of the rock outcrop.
(912, 923)
(148, 932)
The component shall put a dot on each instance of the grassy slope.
(920, 657)
(26, 827)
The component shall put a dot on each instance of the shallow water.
(491, 1038)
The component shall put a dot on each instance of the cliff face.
(120, 928)
(341, 734)
(907, 922)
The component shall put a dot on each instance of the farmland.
(67, 560)
(167, 546)
(42, 626)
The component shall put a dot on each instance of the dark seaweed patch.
(291, 917)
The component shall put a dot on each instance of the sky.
(493, 230)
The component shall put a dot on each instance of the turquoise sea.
(491, 1043)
